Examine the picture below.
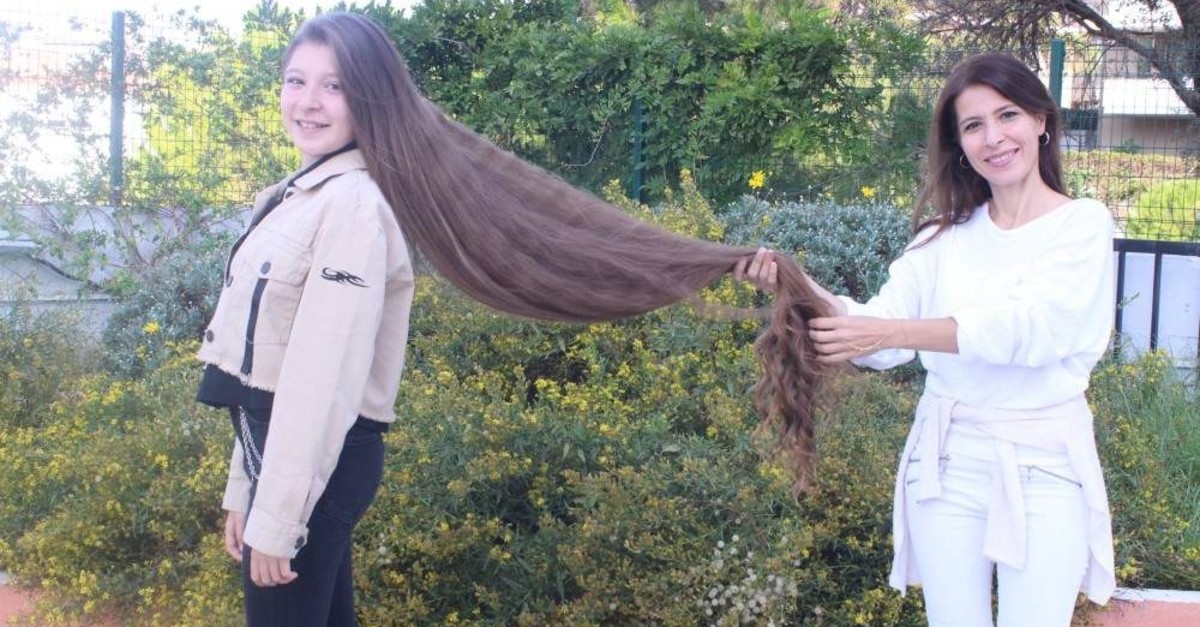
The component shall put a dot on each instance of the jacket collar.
(345, 160)
(334, 165)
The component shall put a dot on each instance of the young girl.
(1008, 297)
(307, 342)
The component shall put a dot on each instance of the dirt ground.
(12, 603)
(16, 602)
(1176, 610)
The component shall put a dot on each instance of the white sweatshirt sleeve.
(1062, 306)
(900, 298)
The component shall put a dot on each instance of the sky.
(229, 12)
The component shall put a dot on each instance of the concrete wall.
(23, 278)
(1156, 135)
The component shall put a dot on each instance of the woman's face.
(1000, 139)
(315, 112)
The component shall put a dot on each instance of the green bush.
(41, 352)
(111, 500)
(1117, 178)
(846, 247)
(626, 489)
(170, 302)
(1167, 211)
(1149, 443)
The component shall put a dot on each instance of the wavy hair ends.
(523, 241)
(954, 191)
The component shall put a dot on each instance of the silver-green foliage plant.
(167, 304)
(845, 247)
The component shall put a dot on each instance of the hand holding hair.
(761, 270)
(843, 338)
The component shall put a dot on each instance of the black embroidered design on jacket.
(345, 278)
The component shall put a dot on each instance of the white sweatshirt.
(1034, 307)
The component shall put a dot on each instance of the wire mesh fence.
(190, 121)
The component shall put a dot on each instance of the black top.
(221, 389)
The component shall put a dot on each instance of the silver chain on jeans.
(248, 445)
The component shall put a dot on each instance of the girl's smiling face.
(315, 112)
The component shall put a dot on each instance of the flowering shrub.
(539, 474)
(110, 501)
(1149, 442)
(40, 353)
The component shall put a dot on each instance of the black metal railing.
(1159, 249)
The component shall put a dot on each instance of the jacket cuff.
(275, 537)
(237, 497)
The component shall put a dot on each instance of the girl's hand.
(235, 526)
(268, 570)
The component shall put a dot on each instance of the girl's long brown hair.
(523, 241)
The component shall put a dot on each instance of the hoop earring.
(962, 162)
(1044, 138)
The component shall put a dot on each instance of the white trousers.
(947, 536)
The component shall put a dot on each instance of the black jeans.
(322, 595)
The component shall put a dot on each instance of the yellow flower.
(757, 179)
(867, 191)
(150, 328)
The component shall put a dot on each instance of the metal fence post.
(116, 133)
(636, 187)
(1058, 52)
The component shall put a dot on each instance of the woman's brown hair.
(521, 240)
(953, 191)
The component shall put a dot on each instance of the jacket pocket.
(281, 267)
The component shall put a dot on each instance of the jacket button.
(208, 335)
(266, 267)
(229, 280)
(299, 543)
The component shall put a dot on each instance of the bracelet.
(867, 349)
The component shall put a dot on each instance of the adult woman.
(307, 341)
(1007, 295)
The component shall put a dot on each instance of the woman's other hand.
(761, 270)
(842, 338)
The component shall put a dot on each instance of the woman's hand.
(761, 270)
(268, 570)
(842, 338)
(235, 526)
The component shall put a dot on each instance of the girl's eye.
(333, 86)
(970, 126)
(293, 81)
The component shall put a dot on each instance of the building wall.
(1159, 135)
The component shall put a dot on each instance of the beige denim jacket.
(314, 308)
